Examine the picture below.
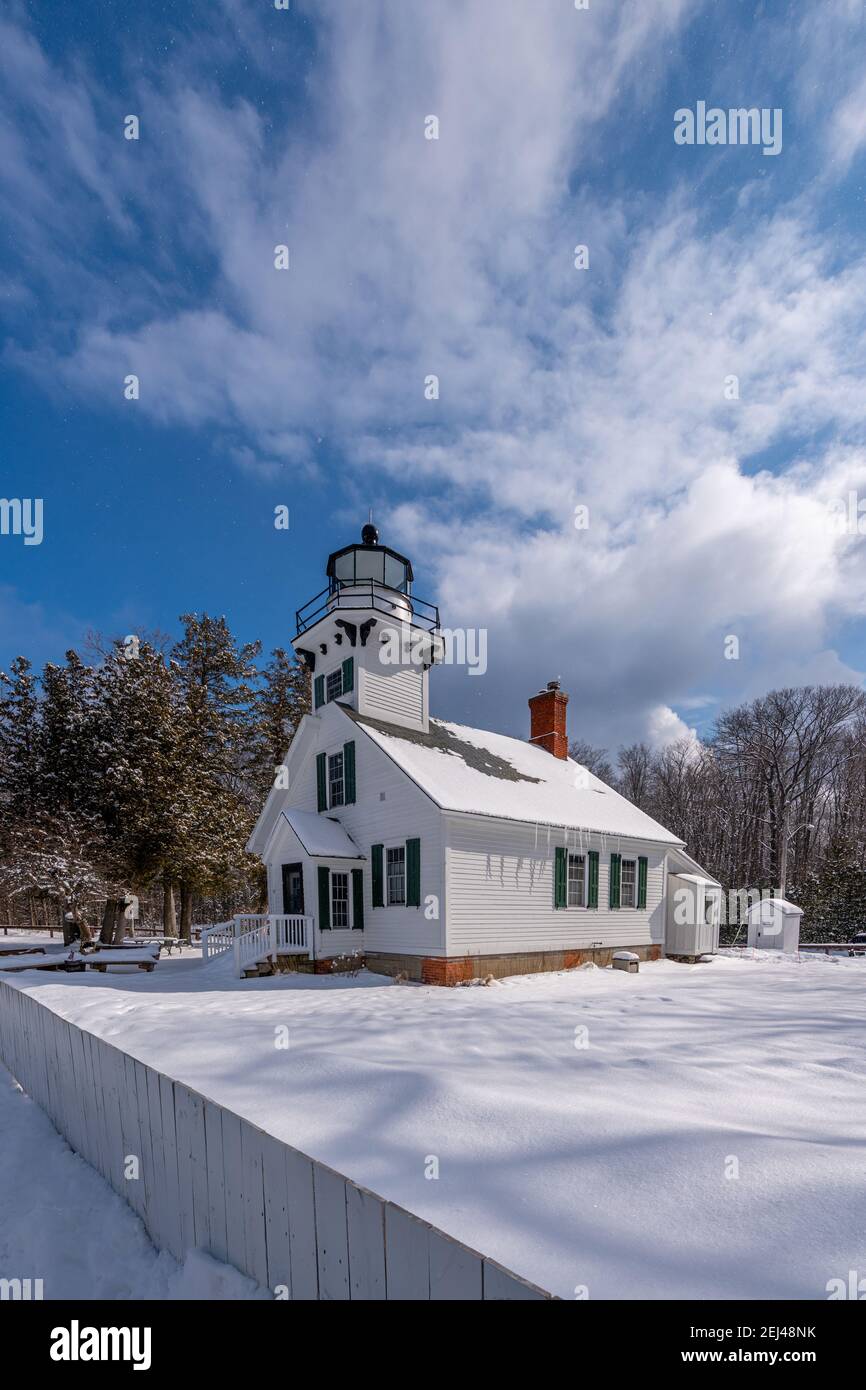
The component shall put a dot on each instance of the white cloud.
(558, 387)
(664, 726)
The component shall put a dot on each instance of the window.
(336, 784)
(396, 863)
(576, 880)
(340, 681)
(339, 900)
(628, 896)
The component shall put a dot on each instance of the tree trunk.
(68, 933)
(107, 923)
(185, 911)
(112, 922)
(120, 923)
(169, 923)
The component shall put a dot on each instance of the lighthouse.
(366, 639)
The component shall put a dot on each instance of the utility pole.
(783, 857)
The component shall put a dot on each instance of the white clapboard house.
(437, 850)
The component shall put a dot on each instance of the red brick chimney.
(547, 716)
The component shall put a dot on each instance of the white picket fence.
(255, 937)
(207, 1178)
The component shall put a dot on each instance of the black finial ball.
(369, 534)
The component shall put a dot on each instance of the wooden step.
(261, 967)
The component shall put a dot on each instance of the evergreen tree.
(280, 705)
(19, 743)
(215, 677)
(833, 896)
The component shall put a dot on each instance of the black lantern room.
(369, 562)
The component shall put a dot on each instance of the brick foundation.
(440, 970)
(454, 970)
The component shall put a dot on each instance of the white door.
(769, 926)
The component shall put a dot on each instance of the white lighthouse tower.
(366, 639)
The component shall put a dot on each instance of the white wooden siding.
(395, 693)
(499, 877)
(405, 813)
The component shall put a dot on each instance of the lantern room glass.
(364, 563)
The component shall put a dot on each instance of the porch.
(254, 939)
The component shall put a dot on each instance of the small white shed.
(693, 915)
(774, 924)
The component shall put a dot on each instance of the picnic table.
(165, 943)
(72, 959)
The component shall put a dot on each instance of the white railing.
(217, 940)
(257, 937)
(291, 933)
(252, 942)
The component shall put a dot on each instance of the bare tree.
(595, 760)
(788, 742)
(635, 773)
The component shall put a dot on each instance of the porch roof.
(322, 837)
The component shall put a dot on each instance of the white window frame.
(332, 758)
(573, 858)
(626, 859)
(338, 672)
(399, 848)
(344, 874)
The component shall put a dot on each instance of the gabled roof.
(486, 774)
(269, 814)
(684, 866)
(322, 837)
(783, 903)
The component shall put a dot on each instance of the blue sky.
(409, 257)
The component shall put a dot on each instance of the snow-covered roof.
(689, 868)
(322, 837)
(784, 904)
(487, 774)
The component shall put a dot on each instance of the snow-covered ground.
(60, 1222)
(687, 1132)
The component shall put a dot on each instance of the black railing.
(368, 593)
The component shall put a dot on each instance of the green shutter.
(324, 898)
(322, 781)
(348, 675)
(377, 853)
(357, 900)
(641, 882)
(413, 873)
(560, 874)
(349, 773)
(613, 896)
(319, 691)
(592, 886)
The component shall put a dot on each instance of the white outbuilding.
(694, 911)
(774, 924)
